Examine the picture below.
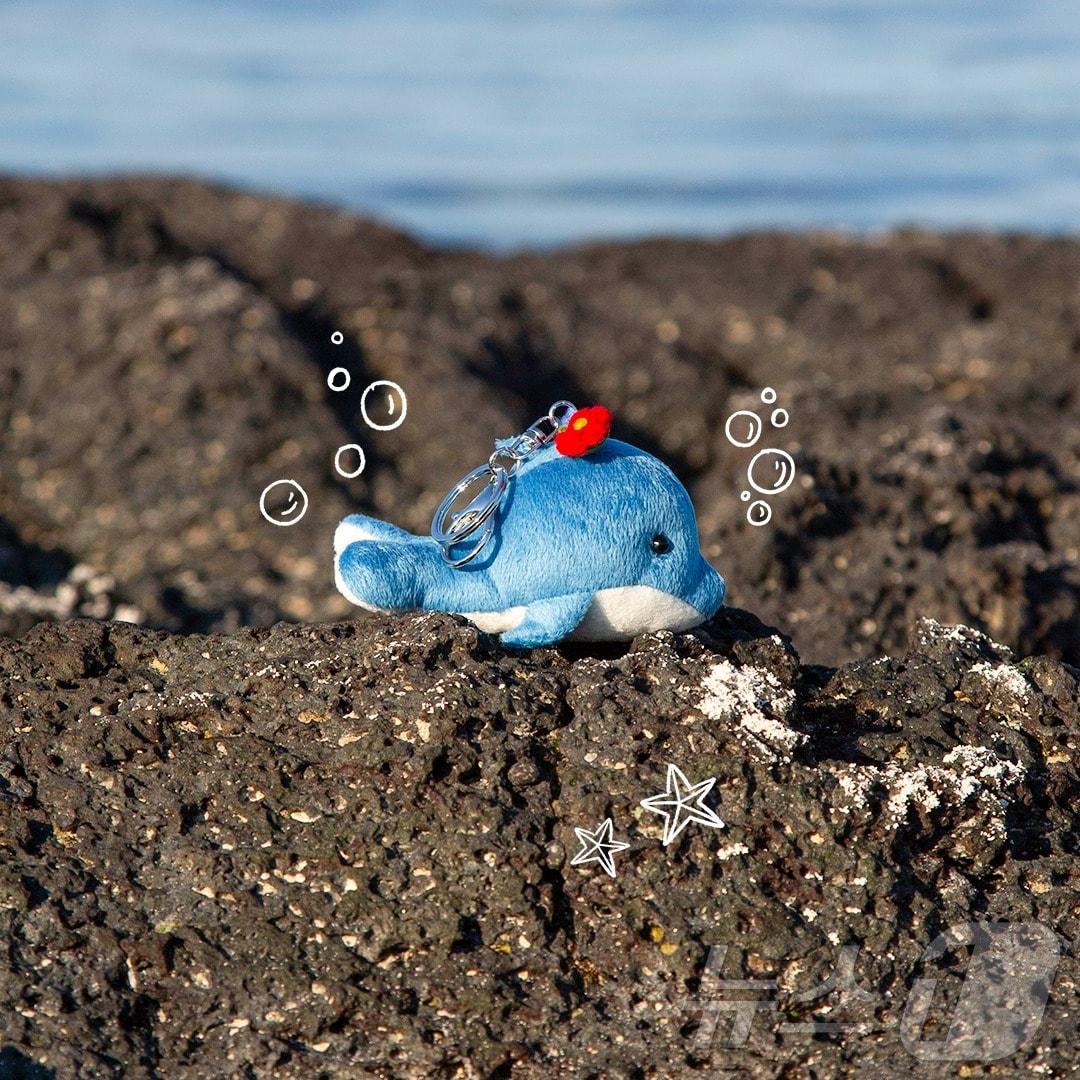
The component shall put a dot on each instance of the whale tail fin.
(358, 527)
(379, 576)
(379, 567)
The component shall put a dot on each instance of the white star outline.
(598, 847)
(682, 802)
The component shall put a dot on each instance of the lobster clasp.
(469, 510)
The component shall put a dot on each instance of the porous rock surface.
(344, 849)
(165, 344)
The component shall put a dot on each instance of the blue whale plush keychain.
(564, 533)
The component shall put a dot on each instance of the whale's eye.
(660, 544)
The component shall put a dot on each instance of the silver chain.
(449, 528)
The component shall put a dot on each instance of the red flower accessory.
(584, 431)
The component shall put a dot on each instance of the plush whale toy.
(571, 535)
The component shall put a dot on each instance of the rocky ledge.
(165, 348)
(345, 850)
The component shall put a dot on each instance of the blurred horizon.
(505, 124)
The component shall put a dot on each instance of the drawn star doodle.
(598, 847)
(681, 803)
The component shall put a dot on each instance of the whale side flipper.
(548, 620)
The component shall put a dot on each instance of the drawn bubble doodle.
(759, 512)
(771, 471)
(384, 398)
(361, 461)
(283, 502)
(743, 428)
(338, 379)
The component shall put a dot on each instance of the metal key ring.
(450, 529)
(568, 408)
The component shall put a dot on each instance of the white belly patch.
(624, 612)
(614, 615)
(495, 622)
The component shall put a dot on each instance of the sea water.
(533, 122)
